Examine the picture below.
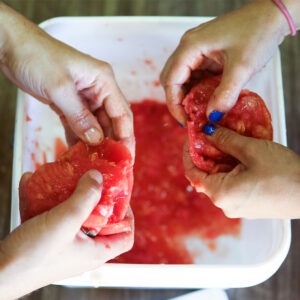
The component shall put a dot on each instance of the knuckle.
(266, 149)
(226, 206)
(94, 190)
(74, 211)
(90, 189)
(193, 34)
(224, 197)
(188, 35)
(230, 213)
(80, 117)
(222, 136)
(243, 67)
(59, 87)
(106, 68)
(255, 145)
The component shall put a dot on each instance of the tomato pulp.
(167, 209)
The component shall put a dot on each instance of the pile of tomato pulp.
(168, 211)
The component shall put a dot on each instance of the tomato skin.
(249, 117)
(53, 183)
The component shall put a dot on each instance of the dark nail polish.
(181, 125)
(209, 129)
(89, 232)
(215, 116)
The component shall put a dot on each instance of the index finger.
(69, 105)
(101, 91)
(175, 74)
(118, 110)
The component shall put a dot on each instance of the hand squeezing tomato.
(249, 117)
(54, 182)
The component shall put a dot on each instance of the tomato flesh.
(53, 183)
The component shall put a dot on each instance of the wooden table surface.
(285, 284)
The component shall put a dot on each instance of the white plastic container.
(137, 48)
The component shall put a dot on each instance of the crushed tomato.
(167, 209)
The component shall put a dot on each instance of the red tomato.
(249, 117)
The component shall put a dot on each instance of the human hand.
(266, 183)
(81, 89)
(51, 246)
(237, 45)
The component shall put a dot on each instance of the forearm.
(14, 30)
(15, 279)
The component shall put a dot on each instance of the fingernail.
(181, 125)
(209, 129)
(93, 135)
(90, 232)
(96, 176)
(215, 116)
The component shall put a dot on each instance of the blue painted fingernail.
(181, 125)
(209, 129)
(215, 116)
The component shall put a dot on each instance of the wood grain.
(284, 285)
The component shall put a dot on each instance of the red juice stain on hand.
(166, 208)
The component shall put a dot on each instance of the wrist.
(280, 20)
(15, 279)
(4, 32)
(11, 24)
(293, 7)
(276, 22)
(14, 35)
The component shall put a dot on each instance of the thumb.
(23, 204)
(78, 116)
(241, 147)
(71, 214)
(234, 78)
